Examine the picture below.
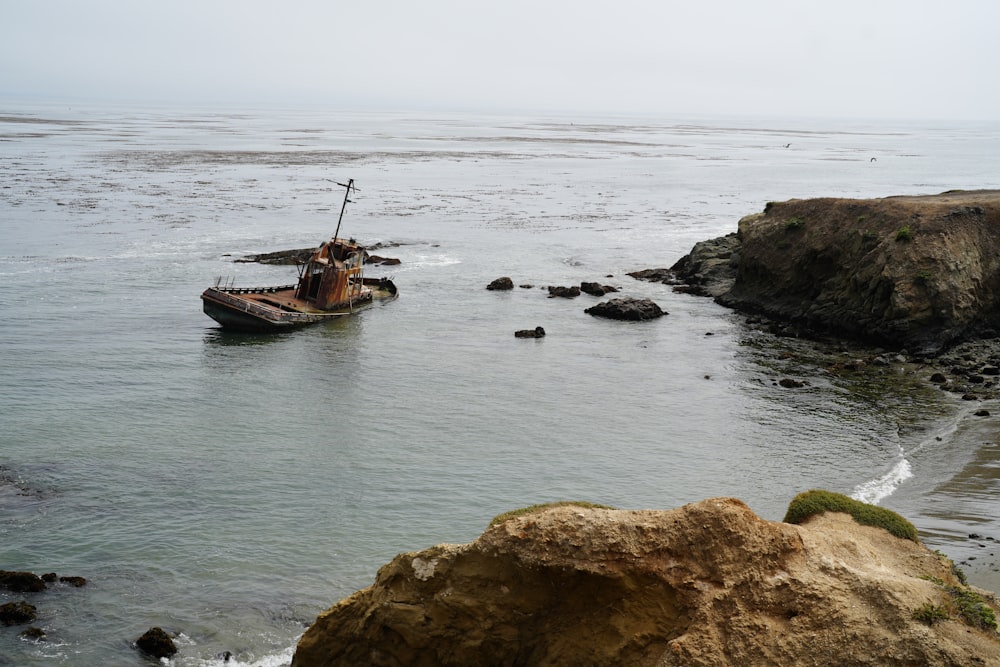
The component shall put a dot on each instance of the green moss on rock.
(810, 503)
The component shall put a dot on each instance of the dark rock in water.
(33, 633)
(627, 308)
(710, 268)
(982, 413)
(384, 261)
(565, 292)
(789, 383)
(50, 577)
(21, 582)
(537, 332)
(991, 370)
(665, 276)
(283, 257)
(939, 378)
(17, 613)
(526, 286)
(74, 581)
(157, 643)
(504, 283)
(596, 289)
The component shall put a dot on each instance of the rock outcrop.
(920, 272)
(706, 584)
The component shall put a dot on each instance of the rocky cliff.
(920, 272)
(706, 584)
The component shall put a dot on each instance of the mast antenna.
(349, 189)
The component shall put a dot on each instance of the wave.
(873, 491)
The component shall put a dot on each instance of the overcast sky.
(846, 58)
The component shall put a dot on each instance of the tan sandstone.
(709, 583)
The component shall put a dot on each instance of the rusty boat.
(331, 285)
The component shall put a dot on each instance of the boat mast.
(350, 188)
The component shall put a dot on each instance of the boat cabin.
(332, 278)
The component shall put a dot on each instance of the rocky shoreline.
(915, 279)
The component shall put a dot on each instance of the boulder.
(17, 613)
(564, 292)
(627, 308)
(596, 289)
(504, 283)
(157, 643)
(706, 584)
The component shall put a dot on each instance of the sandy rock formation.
(706, 584)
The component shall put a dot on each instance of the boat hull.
(275, 309)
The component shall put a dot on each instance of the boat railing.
(226, 295)
(226, 285)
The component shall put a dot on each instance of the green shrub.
(809, 503)
(500, 518)
(930, 613)
(905, 234)
(923, 277)
(794, 224)
(973, 608)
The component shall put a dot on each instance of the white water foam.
(875, 490)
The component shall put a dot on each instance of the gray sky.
(848, 58)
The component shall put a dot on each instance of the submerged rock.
(627, 308)
(537, 332)
(76, 582)
(707, 584)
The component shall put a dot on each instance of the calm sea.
(230, 487)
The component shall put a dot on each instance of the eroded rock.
(707, 584)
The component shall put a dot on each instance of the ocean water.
(230, 487)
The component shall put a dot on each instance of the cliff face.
(917, 272)
(706, 584)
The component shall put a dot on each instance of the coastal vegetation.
(962, 602)
(816, 501)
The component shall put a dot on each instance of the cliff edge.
(921, 272)
(709, 583)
